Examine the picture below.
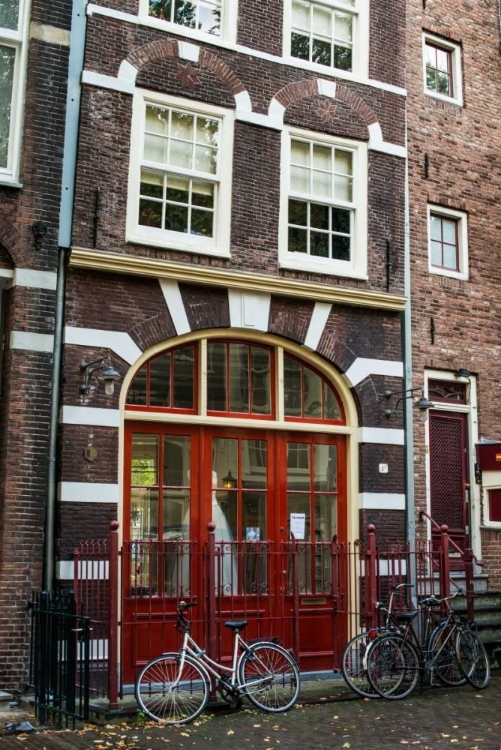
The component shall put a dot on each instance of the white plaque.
(298, 523)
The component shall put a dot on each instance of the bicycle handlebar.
(186, 605)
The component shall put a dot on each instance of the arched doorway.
(250, 437)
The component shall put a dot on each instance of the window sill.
(169, 244)
(186, 31)
(5, 182)
(326, 268)
(445, 99)
(448, 274)
(491, 526)
(328, 70)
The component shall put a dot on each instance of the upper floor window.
(214, 17)
(13, 22)
(442, 69)
(324, 221)
(327, 33)
(180, 178)
(448, 242)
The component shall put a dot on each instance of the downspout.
(75, 67)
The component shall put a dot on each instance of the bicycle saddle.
(235, 624)
(407, 616)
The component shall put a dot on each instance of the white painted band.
(108, 82)
(249, 310)
(118, 341)
(28, 277)
(363, 367)
(188, 51)
(90, 416)
(319, 318)
(175, 305)
(381, 501)
(34, 342)
(380, 436)
(88, 492)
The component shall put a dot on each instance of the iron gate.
(59, 658)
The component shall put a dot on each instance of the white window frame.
(18, 40)
(491, 480)
(461, 218)
(219, 245)
(229, 15)
(360, 57)
(356, 267)
(454, 50)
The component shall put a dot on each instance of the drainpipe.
(410, 522)
(75, 67)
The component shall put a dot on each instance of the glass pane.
(216, 377)
(176, 218)
(331, 406)
(300, 14)
(225, 479)
(161, 9)
(321, 20)
(298, 466)
(300, 179)
(176, 515)
(7, 58)
(182, 126)
(137, 389)
(202, 223)
(436, 228)
(325, 468)
(449, 230)
(150, 214)
(202, 194)
(9, 14)
(322, 184)
(207, 131)
(261, 385)
(157, 120)
(300, 153)
(325, 517)
(152, 184)
(312, 384)
(160, 381)
(300, 46)
(321, 52)
(178, 189)
(443, 60)
(185, 13)
(184, 378)
(239, 377)
(181, 154)
(343, 27)
(450, 257)
(319, 244)
(341, 220)
(436, 253)
(298, 241)
(431, 56)
(343, 57)
(144, 466)
(319, 216)
(343, 162)
(176, 529)
(254, 517)
(254, 462)
(206, 159)
(322, 158)
(155, 148)
(144, 515)
(431, 79)
(340, 247)
(292, 388)
(209, 20)
(443, 84)
(298, 213)
(299, 503)
(176, 468)
(343, 188)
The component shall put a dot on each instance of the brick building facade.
(453, 78)
(34, 50)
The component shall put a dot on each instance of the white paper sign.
(298, 523)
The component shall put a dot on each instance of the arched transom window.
(234, 379)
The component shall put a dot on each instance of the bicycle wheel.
(353, 666)
(269, 677)
(392, 667)
(442, 656)
(473, 659)
(171, 696)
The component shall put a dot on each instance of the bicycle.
(174, 688)
(353, 660)
(449, 650)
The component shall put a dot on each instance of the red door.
(250, 483)
(448, 474)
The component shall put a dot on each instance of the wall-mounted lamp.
(108, 375)
(423, 404)
(229, 481)
(463, 373)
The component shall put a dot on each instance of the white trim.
(101, 10)
(264, 121)
(457, 76)
(383, 147)
(34, 342)
(188, 51)
(249, 310)
(87, 570)
(319, 318)
(219, 244)
(124, 85)
(356, 267)
(228, 29)
(362, 367)
(326, 88)
(119, 342)
(7, 273)
(27, 277)
(491, 480)
(381, 501)
(462, 225)
(49, 34)
(89, 416)
(380, 436)
(243, 102)
(127, 72)
(88, 492)
(175, 305)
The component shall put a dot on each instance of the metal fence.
(59, 659)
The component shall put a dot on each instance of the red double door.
(256, 486)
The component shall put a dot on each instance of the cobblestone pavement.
(439, 718)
